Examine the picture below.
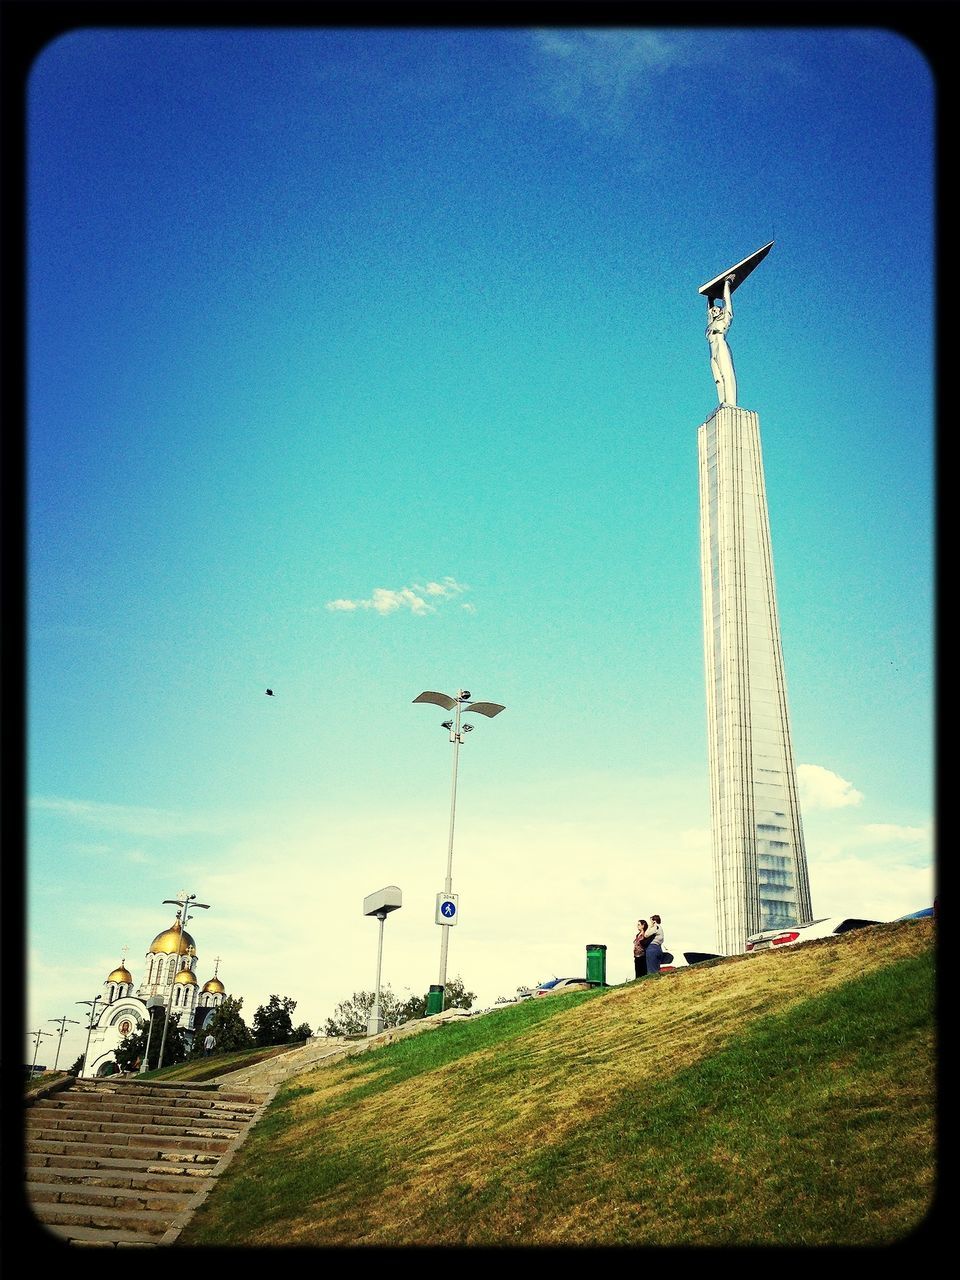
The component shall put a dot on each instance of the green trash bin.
(434, 1000)
(597, 964)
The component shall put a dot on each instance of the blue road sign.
(446, 908)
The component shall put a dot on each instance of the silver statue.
(719, 320)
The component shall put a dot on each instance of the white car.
(793, 933)
(556, 985)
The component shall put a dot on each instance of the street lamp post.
(187, 902)
(379, 905)
(151, 1005)
(63, 1027)
(457, 732)
(92, 1004)
(36, 1047)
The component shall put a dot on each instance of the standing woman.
(654, 937)
(639, 949)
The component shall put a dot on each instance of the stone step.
(83, 1089)
(134, 1147)
(146, 1225)
(166, 1092)
(102, 1237)
(145, 1108)
(58, 1123)
(147, 1178)
(118, 1165)
(127, 1200)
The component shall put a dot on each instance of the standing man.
(654, 936)
(719, 320)
(208, 1045)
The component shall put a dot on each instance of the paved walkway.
(272, 1072)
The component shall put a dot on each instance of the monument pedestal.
(759, 859)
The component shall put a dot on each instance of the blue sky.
(362, 362)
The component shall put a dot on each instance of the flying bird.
(269, 693)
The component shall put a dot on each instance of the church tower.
(171, 962)
(213, 993)
(172, 958)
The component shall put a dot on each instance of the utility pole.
(92, 1023)
(36, 1047)
(63, 1026)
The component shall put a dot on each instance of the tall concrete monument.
(759, 859)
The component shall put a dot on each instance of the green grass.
(200, 1069)
(776, 1100)
(404, 1059)
(786, 1137)
(39, 1081)
(193, 1070)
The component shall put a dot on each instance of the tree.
(455, 996)
(129, 1052)
(352, 1016)
(272, 1023)
(413, 1007)
(76, 1068)
(303, 1032)
(227, 1027)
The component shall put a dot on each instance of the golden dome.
(173, 941)
(214, 986)
(120, 974)
(186, 977)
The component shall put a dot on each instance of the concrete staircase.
(116, 1162)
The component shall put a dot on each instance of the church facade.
(169, 976)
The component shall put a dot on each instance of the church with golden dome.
(170, 975)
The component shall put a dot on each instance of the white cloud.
(872, 888)
(835, 836)
(614, 56)
(888, 831)
(420, 600)
(131, 819)
(603, 78)
(598, 75)
(821, 789)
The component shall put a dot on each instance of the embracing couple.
(648, 947)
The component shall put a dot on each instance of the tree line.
(351, 1016)
(272, 1025)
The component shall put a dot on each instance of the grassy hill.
(778, 1099)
